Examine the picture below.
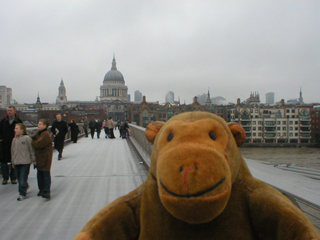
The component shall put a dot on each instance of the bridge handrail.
(141, 143)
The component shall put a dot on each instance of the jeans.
(124, 133)
(8, 171)
(22, 173)
(44, 181)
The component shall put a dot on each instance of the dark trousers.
(92, 132)
(86, 132)
(111, 133)
(106, 131)
(22, 173)
(44, 181)
(8, 171)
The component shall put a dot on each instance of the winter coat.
(98, 126)
(124, 126)
(110, 123)
(42, 144)
(7, 134)
(74, 128)
(22, 151)
(85, 123)
(62, 127)
(74, 131)
(92, 124)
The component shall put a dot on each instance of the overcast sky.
(231, 47)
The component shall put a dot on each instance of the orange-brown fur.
(199, 187)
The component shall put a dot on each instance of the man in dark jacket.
(7, 126)
(92, 126)
(59, 130)
(124, 129)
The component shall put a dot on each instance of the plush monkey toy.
(199, 187)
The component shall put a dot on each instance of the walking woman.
(111, 127)
(74, 131)
(42, 144)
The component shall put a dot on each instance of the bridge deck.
(92, 173)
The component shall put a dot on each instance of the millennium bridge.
(94, 172)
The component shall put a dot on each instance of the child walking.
(42, 144)
(23, 155)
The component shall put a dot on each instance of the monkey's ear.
(152, 130)
(237, 132)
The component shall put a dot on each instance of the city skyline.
(233, 48)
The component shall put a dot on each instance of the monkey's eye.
(170, 137)
(212, 136)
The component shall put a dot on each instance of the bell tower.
(62, 95)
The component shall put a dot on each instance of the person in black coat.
(92, 126)
(74, 131)
(7, 126)
(98, 127)
(59, 130)
(124, 129)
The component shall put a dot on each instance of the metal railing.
(144, 148)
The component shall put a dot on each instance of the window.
(145, 119)
(260, 128)
(278, 128)
(293, 110)
(291, 134)
(284, 128)
(153, 117)
(284, 122)
(254, 128)
(291, 122)
(296, 134)
(291, 128)
(284, 134)
(259, 134)
(259, 122)
(278, 122)
(254, 122)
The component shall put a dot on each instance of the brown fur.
(199, 187)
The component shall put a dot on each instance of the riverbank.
(302, 157)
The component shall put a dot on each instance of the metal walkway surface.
(92, 173)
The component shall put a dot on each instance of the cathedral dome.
(113, 74)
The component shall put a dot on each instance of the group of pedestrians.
(95, 125)
(19, 151)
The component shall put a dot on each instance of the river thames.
(302, 157)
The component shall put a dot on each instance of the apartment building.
(273, 124)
